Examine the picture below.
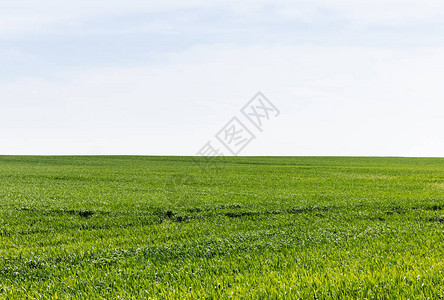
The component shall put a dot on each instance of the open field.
(302, 227)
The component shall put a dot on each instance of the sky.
(349, 78)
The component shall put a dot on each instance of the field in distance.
(137, 227)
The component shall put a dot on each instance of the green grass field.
(157, 227)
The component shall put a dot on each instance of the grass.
(157, 227)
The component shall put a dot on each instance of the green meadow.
(133, 227)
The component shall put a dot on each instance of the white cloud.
(334, 101)
(26, 16)
(379, 12)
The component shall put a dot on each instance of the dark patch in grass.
(5, 233)
(307, 209)
(276, 212)
(69, 178)
(169, 214)
(241, 214)
(219, 207)
(396, 209)
(230, 206)
(194, 210)
(164, 214)
(24, 209)
(181, 218)
(434, 207)
(34, 264)
(437, 219)
(82, 213)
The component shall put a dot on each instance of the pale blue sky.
(147, 77)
